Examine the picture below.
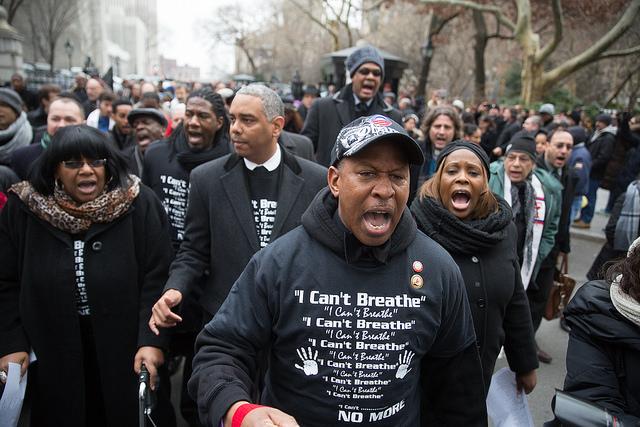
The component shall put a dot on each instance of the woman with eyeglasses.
(85, 250)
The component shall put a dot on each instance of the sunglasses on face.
(366, 71)
(77, 164)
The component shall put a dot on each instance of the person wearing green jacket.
(535, 197)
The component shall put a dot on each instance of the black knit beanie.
(524, 143)
(464, 145)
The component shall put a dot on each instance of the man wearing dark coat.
(359, 98)
(555, 161)
(237, 205)
(122, 134)
(601, 146)
(299, 145)
(364, 320)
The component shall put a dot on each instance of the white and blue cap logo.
(366, 130)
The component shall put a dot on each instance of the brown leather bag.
(561, 291)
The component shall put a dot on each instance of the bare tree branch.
(617, 91)
(335, 36)
(619, 53)
(12, 7)
(442, 22)
(542, 27)
(500, 36)
(558, 25)
(374, 6)
(346, 23)
(495, 10)
(594, 53)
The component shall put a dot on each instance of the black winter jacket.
(497, 299)
(327, 116)
(347, 342)
(125, 265)
(169, 179)
(601, 150)
(603, 357)
(569, 180)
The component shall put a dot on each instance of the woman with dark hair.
(457, 209)
(603, 356)
(85, 251)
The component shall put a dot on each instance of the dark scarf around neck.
(458, 236)
(190, 159)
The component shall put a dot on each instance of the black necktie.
(361, 110)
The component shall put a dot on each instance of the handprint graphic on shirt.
(309, 359)
(404, 360)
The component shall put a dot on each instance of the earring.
(58, 185)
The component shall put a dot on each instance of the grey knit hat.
(362, 56)
(12, 99)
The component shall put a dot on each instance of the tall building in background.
(117, 33)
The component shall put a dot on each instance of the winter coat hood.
(591, 311)
(318, 221)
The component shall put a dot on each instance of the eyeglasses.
(366, 71)
(77, 164)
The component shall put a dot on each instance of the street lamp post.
(426, 50)
(296, 86)
(68, 47)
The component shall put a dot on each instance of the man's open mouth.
(377, 221)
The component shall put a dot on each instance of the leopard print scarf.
(62, 212)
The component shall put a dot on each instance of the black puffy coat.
(603, 357)
(497, 299)
(601, 150)
(125, 265)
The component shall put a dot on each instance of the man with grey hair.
(237, 205)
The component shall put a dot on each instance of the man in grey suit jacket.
(238, 204)
(299, 145)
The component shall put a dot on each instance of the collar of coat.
(347, 92)
(287, 158)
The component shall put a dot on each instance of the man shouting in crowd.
(354, 309)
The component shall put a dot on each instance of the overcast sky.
(180, 27)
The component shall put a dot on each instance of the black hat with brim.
(147, 112)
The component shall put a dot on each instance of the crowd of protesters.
(356, 256)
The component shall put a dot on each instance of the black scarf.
(456, 236)
(190, 159)
(528, 209)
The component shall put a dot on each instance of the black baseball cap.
(364, 131)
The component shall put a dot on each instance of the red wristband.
(242, 412)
